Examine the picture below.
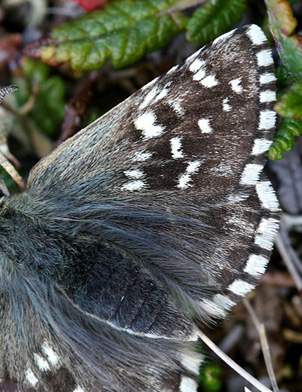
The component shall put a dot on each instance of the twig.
(264, 345)
(3, 160)
(291, 221)
(252, 380)
(289, 255)
(30, 102)
(11, 171)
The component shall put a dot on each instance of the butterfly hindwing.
(55, 345)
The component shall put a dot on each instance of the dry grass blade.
(264, 345)
(11, 171)
(289, 255)
(243, 373)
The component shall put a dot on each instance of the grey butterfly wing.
(156, 212)
(50, 343)
(174, 174)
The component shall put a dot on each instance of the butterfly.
(155, 217)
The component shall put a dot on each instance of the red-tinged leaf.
(289, 45)
(91, 5)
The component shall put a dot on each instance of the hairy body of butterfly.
(155, 215)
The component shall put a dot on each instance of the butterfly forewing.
(176, 169)
(193, 128)
(161, 213)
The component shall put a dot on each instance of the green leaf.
(284, 139)
(284, 80)
(124, 31)
(290, 103)
(212, 20)
(283, 25)
(267, 32)
(48, 109)
(209, 377)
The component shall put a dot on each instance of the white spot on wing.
(164, 92)
(193, 166)
(260, 146)
(176, 105)
(176, 147)
(196, 65)
(142, 156)
(209, 81)
(204, 125)
(188, 385)
(256, 35)
(31, 378)
(267, 96)
(235, 84)
(200, 74)
(265, 58)
(191, 362)
(267, 195)
(240, 287)
(256, 265)
(41, 363)
(267, 77)
(193, 56)
(212, 308)
(184, 179)
(226, 106)
(267, 119)
(134, 186)
(52, 357)
(146, 123)
(78, 389)
(138, 184)
(149, 98)
(223, 301)
(266, 232)
(250, 175)
(136, 173)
